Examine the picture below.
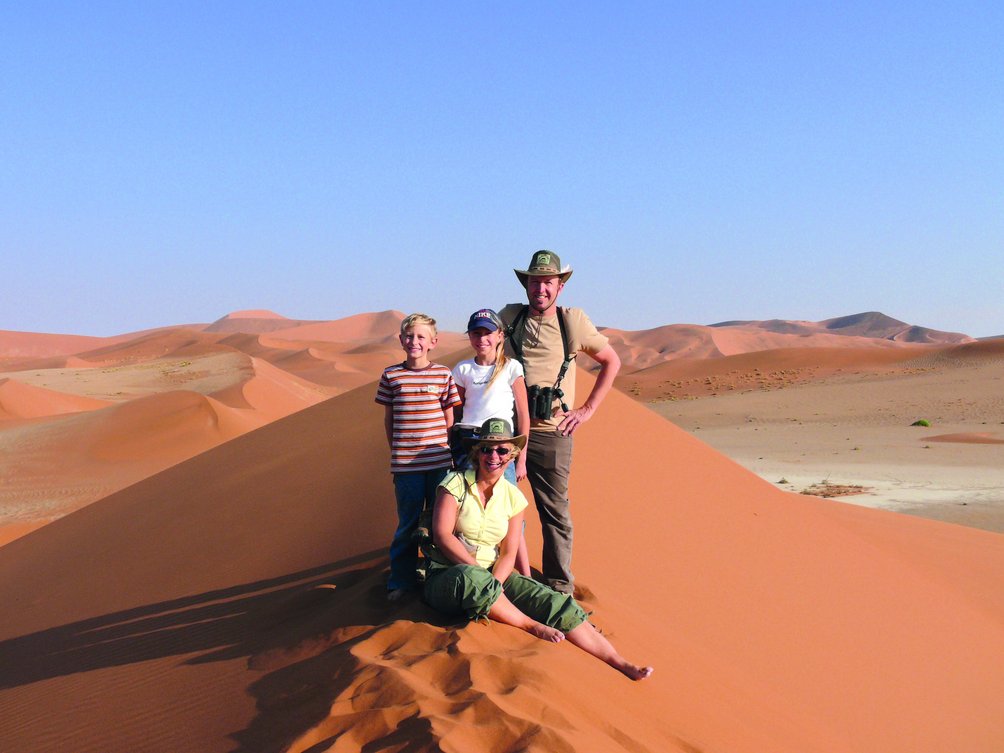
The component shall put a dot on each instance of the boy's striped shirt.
(418, 397)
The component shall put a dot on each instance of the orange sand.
(967, 438)
(225, 591)
(235, 601)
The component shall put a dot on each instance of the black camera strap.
(517, 331)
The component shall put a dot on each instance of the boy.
(418, 398)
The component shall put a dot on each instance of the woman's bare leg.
(506, 612)
(586, 637)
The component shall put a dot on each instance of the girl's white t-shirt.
(480, 404)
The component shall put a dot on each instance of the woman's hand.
(507, 549)
(444, 522)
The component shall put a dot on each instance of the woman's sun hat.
(495, 431)
(544, 263)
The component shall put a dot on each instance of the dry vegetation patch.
(826, 489)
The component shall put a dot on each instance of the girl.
(491, 385)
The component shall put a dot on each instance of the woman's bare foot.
(634, 672)
(546, 633)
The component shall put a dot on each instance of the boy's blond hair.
(413, 320)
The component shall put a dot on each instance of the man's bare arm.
(610, 364)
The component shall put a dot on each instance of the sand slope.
(208, 384)
(234, 602)
(104, 428)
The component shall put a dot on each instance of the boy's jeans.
(413, 491)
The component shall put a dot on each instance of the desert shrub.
(921, 422)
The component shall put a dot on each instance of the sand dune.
(870, 324)
(154, 415)
(987, 351)
(271, 393)
(174, 342)
(365, 326)
(252, 377)
(251, 322)
(372, 326)
(25, 345)
(117, 380)
(235, 379)
(234, 602)
(25, 348)
(736, 341)
(645, 349)
(52, 469)
(335, 365)
(20, 400)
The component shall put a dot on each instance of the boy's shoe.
(396, 594)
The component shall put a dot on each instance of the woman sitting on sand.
(476, 528)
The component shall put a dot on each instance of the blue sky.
(163, 163)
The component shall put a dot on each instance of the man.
(546, 337)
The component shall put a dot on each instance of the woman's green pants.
(471, 590)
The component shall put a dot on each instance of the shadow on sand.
(294, 631)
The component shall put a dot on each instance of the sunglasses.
(489, 449)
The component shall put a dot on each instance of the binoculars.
(541, 400)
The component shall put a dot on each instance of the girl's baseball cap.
(484, 318)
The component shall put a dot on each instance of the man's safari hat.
(544, 263)
(484, 318)
(495, 431)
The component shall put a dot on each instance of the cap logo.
(543, 260)
(496, 427)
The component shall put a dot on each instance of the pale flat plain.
(855, 430)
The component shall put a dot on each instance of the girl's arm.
(444, 521)
(463, 399)
(522, 421)
(507, 550)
